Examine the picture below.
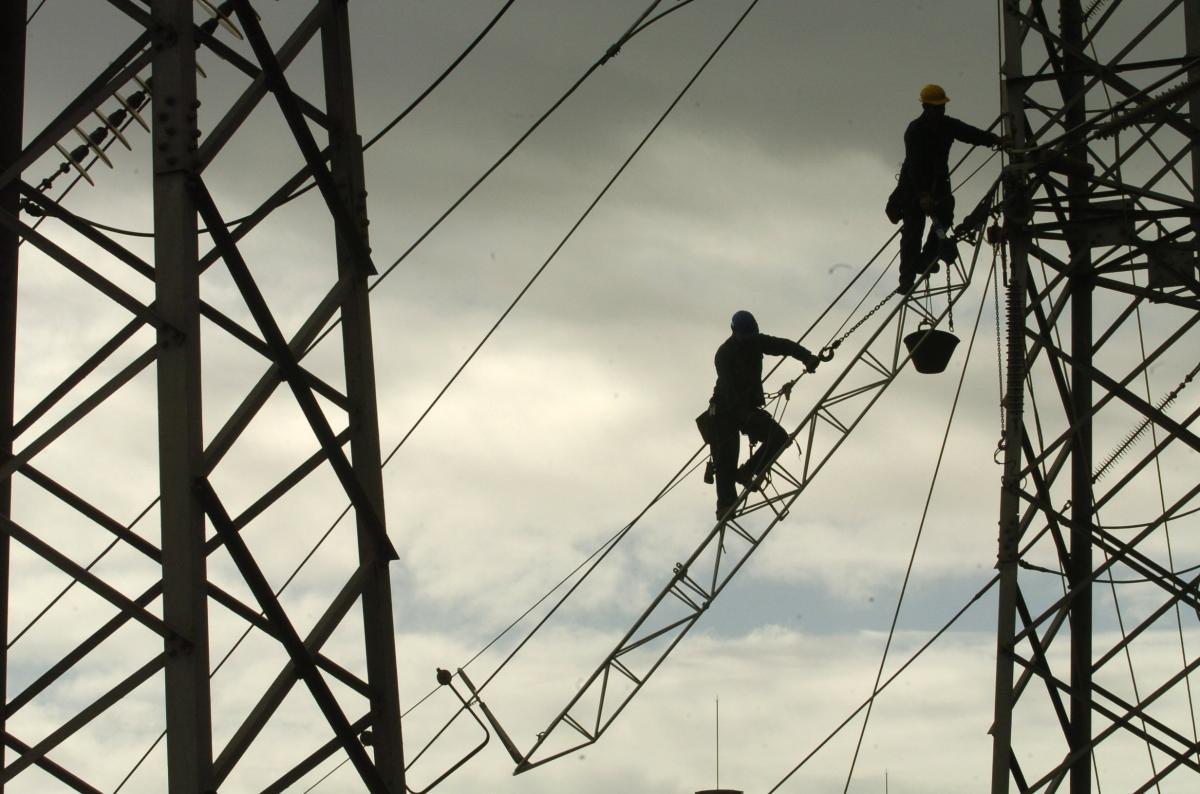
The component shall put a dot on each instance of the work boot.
(947, 252)
(723, 509)
(745, 476)
(906, 282)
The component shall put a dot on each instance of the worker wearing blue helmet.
(737, 405)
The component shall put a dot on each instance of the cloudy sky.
(762, 190)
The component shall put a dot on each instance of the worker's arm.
(777, 346)
(962, 131)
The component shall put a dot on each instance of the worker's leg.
(936, 246)
(944, 215)
(910, 245)
(726, 441)
(770, 437)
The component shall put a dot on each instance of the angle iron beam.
(290, 640)
(262, 390)
(89, 276)
(1107, 382)
(260, 622)
(55, 395)
(314, 759)
(59, 773)
(1123, 722)
(180, 402)
(1102, 72)
(348, 174)
(1041, 667)
(293, 478)
(91, 512)
(1016, 192)
(1118, 557)
(123, 254)
(241, 109)
(90, 581)
(1120, 391)
(278, 85)
(1128, 637)
(78, 413)
(81, 719)
(63, 666)
(218, 48)
(12, 115)
(290, 369)
(279, 688)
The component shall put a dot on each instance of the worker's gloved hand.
(810, 362)
(1003, 143)
(925, 202)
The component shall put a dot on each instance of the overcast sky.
(763, 190)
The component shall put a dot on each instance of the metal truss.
(150, 624)
(1098, 602)
(727, 546)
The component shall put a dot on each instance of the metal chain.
(827, 351)
(949, 303)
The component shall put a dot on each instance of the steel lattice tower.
(176, 584)
(1097, 640)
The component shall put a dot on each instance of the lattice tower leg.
(347, 170)
(12, 102)
(177, 290)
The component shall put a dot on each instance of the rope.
(917, 540)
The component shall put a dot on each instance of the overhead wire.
(890, 680)
(676, 479)
(35, 11)
(921, 525)
(671, 485)
(309, 186)
(129, 120)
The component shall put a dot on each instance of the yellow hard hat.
(934, 94)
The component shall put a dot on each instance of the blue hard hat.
(743, 324)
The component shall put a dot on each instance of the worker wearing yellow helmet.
(924, 185)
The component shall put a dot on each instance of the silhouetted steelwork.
(162, 638)
(1100, 208)
(12, 106)
(695, 582)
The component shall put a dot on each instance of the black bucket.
(930, 349)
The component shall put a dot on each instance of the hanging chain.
(949, 300)
(827, 352)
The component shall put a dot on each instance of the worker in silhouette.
(737, 406)
(924, 185)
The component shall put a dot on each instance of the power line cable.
(306, 188)
(890, 680)
(921, 525)
(35, 11)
